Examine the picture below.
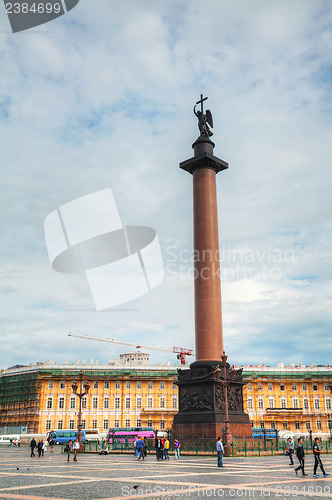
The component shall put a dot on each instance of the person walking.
(140, 448)
(68, 448)
(300, 456)
(177, 446)
(158, 448)
(18, 442)
(40, 447)
(33, 445)
(290, 445)
(318, 461)
(51, 443)
(76, 447)
(166, 449)
(220, 451)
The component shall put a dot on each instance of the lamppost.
(86, 387)
(225, 383)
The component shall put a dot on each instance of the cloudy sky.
(102, 97)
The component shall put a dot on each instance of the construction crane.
(180, 351)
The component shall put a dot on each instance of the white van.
(5, 438)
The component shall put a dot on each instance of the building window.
(316, 404)
(306, 404)
(270, 386)
(71, 424)
(73, 402)
(315, 387)
(328, 403)
(127, 422)
(61, 403)
(283, 403)
(106, 384)
(150, 384)
(95, 384)
(150, 402)
(174, 386)
(150, 423)
(60, 424)
(260, 404)
(250, 404)
(326, 387)
(285, 425)
(127, 403)
(282, 387)
(297, 425)
(116, 423)
(106, 403)
(128, 384)
(294, 386)
(330, 425)
(105, 425)
(319, 424)
(95, 402)
(139, 402)
(62, 384)
(262, 425)
(50, 384)
(139, 385)
(304, 387)
(94, 424)
(273, 425)
(117, 384)
(162, 425)
(295, 403)
(162, 403)
(83, 424)
(307, 425)
(48, 425)
(84, 402)
(138, 422)
(162, 385)
(117, 402)
(174, 402)
(49, 404)
(249, 386)
(271, 403)
(259, 386)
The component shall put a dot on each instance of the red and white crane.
(180, 351)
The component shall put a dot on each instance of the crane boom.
(181, 351)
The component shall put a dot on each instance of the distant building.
(131, 393)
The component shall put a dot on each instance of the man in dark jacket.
(300, 456)
(33, 445)
(318, 461)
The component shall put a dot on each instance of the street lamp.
(85, 386)
(225, 383)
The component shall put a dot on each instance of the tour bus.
(63, 436)
(259, 433)
(6, 438)
(126, 435)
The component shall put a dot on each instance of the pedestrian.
(18, 442)
(145, 447)
(135, 446)
(166, 449)
(177, 446)
(140, 448)
(40, 447)
(290, 450)
(220, 451)
(10, 442)
(300, 456)
(44, 450)
(51, 443)
(33, 445)
(318, 461)
(158, 448)
(76, 447)
(162, 448)
(68, 448)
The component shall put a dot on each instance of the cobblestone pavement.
(122, 476)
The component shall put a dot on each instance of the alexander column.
(209, 383)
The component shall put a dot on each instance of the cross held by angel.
(204, 119)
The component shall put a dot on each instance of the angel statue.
(204, 120)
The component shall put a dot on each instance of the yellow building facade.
(131, 393)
